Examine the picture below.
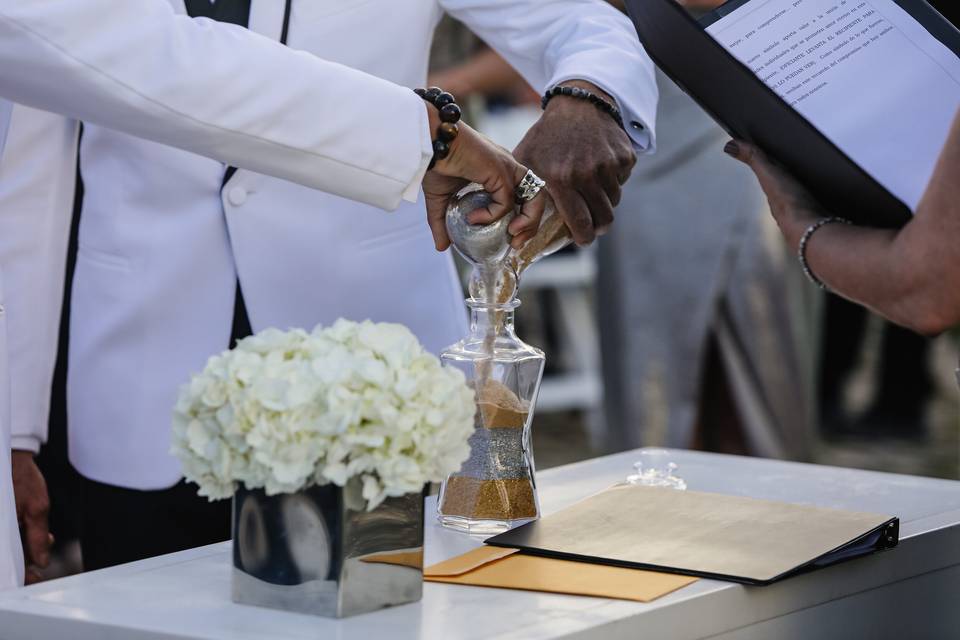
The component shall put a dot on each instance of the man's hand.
(584, 156)
(474, 158)
(33, 506)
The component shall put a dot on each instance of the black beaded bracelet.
(449, 117)
(583, 94)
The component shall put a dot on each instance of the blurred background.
(689, 326)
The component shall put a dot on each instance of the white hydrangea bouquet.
(286, 410)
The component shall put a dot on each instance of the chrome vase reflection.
(318, 551)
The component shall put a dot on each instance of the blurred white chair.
(579, 383)
(571, 276)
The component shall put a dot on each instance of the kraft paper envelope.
(508, 569)
(409, 558)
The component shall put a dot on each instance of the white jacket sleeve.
(550, 41)
(37, 184)
(252, 103)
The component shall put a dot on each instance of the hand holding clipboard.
(817, 139)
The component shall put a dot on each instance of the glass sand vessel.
(495, 488)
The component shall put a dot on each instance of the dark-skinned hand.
(474, 158)
(584, 156)
(33, 507)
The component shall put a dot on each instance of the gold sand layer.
(489, 499)
(500, 408)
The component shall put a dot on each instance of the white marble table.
(910, 592)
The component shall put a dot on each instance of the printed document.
(864, 72)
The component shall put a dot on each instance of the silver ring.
(529, 187)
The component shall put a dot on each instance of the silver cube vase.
(320, 552)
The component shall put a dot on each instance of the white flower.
(287, 409)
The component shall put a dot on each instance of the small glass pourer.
(655, 469)
(487, 247)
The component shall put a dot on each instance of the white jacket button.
(237, 196)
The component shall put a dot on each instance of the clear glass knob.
(502, 280)
(655, 469)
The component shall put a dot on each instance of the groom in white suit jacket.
(165, 237)
(69, 56)
(97, 59)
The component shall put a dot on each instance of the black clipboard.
(882, 538)
(702, 535)
(749, 110)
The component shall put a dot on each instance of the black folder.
(724, 537)
(749, 110)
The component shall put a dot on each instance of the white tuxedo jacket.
(132, 65)
(11, 553)
(36, 189)
(161, 244)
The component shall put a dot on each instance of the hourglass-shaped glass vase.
(495, 488)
